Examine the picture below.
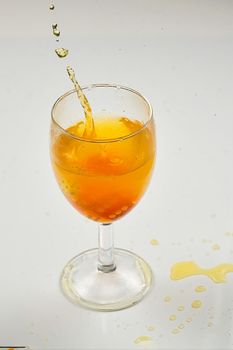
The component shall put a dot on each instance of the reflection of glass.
(104, 177)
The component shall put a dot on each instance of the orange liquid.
(104, 180)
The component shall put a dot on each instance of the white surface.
(179, 54)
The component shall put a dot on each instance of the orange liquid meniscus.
(104, 179)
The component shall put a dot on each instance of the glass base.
(84, 284)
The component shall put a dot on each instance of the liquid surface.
(104, 181)
(189, 268)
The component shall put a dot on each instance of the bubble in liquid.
(124, 208)
(118, 212)
(112, 216)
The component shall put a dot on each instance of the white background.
(179, 54)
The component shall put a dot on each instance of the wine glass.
(104, 176)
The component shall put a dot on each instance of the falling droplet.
(51, 7)
(189, 319)
(216, 247)
(56, 31)
(61, 52)
(181, 326)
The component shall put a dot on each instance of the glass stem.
(106, 257)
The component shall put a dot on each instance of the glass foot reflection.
(83, 283)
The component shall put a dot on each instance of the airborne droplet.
(56, 30)
(61, 52)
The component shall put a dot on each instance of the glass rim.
(104, 85)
